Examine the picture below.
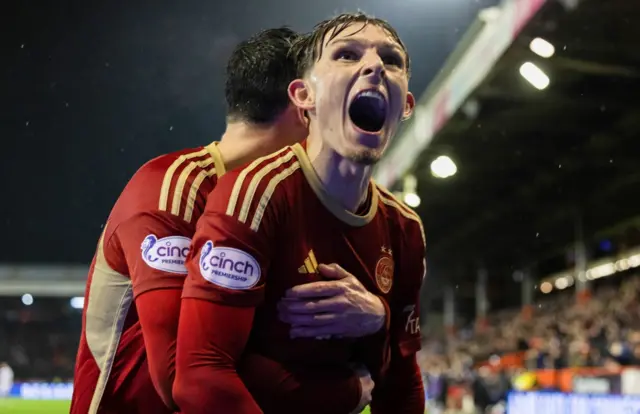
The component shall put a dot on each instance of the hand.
(341, 307)
(366, 387)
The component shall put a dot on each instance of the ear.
(300, 95)
(409, 106)
(303, 117)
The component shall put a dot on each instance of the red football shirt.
(266, 228)
(143, 247)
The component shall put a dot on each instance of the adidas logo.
(310, 264)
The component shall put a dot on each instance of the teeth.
(372, 94)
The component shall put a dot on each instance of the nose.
(373, 68)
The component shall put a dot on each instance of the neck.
(343, 179)
(242, 143)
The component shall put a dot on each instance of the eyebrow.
(385, 45)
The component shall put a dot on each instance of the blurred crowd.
(40, 341)
(601, 332)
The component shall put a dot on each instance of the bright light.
(534, 75)
(546, 287)
(443, 167)
(412, 200)
(542, 48)
(562, 283)
(27, 299)
(77, 302)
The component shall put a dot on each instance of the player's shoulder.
(162, 170)
(397, 212)
(246, 193)
(173, 182)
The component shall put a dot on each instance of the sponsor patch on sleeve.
(228, 267)
(168, 254)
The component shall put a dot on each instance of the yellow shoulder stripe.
(168, 177)
(235, 192)
(268, 192)
(389, 199)
(182, 180)
(255, 181)
(193, 192)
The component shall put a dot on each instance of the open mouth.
(368, 111)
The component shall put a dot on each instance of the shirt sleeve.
(226, 280)
(400, 390)
(233, 242)
(405, 307)
(153, 246)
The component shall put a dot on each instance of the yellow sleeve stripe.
(193, 192)
(255, 181)
(400, 205)
(404, 211)
(235, 192)
(268, 192)
(182, 180)
(168, 177)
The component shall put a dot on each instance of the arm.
(308, 389)
(225, 282)
(207, 357)
(157, 287)
(401, 390)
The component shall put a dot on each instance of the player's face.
(358, 92)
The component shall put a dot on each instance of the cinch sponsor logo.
(168, 254)
(228, 267)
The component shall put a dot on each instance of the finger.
(333, 271)
(333, 304)
(303, 321)
(316, 289)
(315, 331)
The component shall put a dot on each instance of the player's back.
(143, 247)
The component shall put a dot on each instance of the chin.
(366, 156)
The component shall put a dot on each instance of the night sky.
(91, 90)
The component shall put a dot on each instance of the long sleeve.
(333, 390)
(158, 311)
(226, 274)
(211, 339)
(154, 245)
(401, 391)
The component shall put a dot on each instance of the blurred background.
(522, 159)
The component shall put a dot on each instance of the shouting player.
(125, 361)
(276, 224)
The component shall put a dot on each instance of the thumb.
(332, 271)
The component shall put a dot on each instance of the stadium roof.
(531, 161)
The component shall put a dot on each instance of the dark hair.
(308, 49)
(258, 74)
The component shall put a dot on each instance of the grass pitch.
(16, 406)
